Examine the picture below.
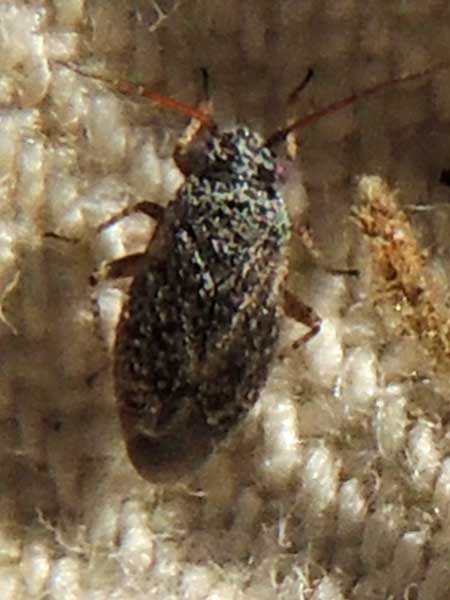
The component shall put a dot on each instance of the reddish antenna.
(280, 135)
(129, 88)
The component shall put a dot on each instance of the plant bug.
(198, 331)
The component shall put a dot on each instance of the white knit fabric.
(338, 483)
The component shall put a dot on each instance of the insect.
(198, 331)
(199, 328)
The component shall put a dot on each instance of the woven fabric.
(338, 483)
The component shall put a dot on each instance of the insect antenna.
(281, 134)
(128, 88)
(303, 84)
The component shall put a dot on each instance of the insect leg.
(131, 265)
(151, 209)
(126, 266)
(304, 232)
(301, 312)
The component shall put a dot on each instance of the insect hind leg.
(301, 312)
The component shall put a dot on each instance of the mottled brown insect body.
(198, 331)
(197, 334)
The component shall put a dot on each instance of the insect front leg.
(132, 264)
(151, 209)
(189, 154)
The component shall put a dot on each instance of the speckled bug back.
(198, 331)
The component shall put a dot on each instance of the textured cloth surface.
(338, 483)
